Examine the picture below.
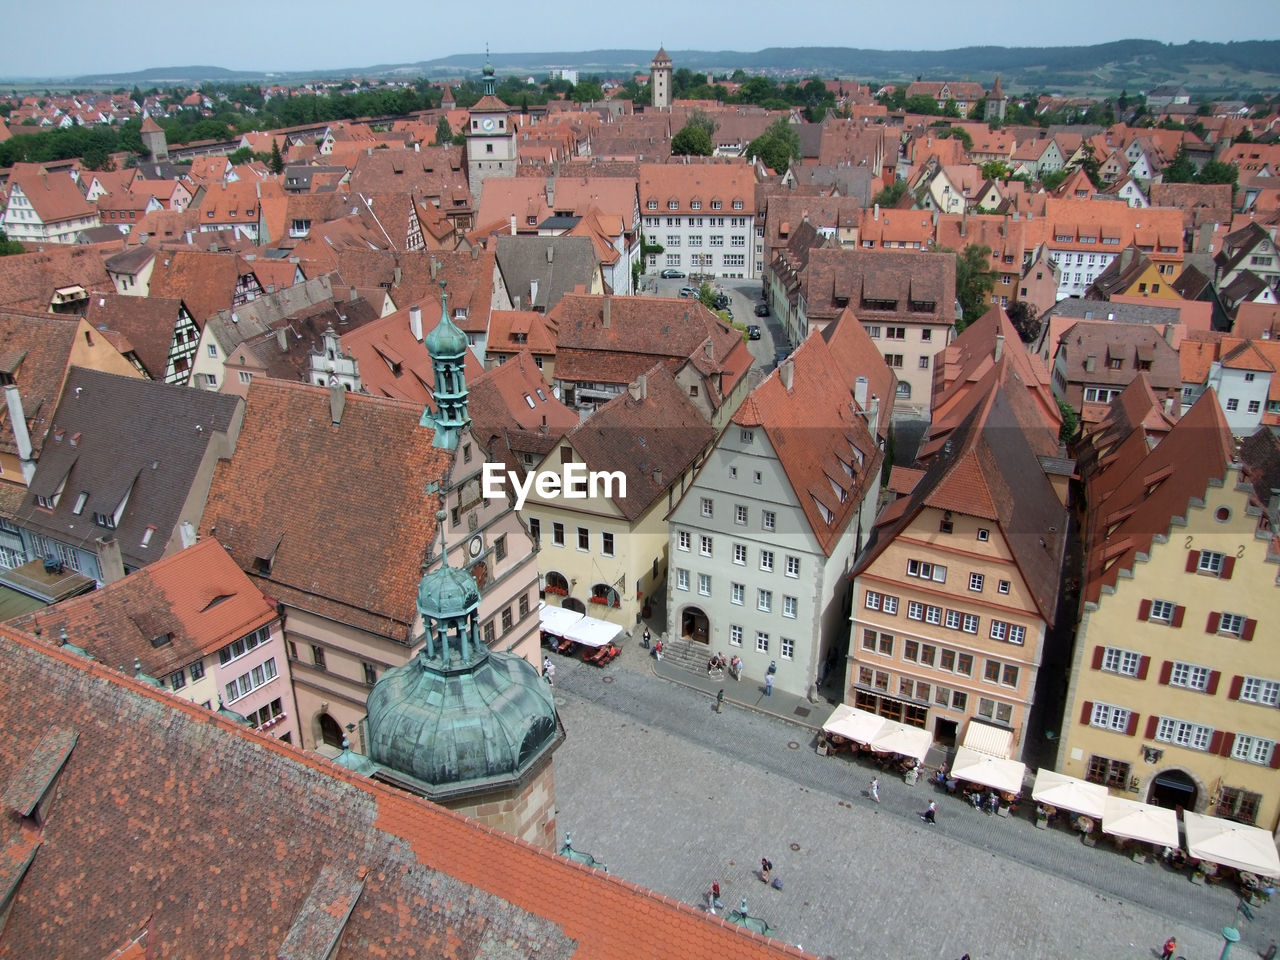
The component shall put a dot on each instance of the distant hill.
(1208, 68)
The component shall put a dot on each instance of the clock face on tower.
(487, 123)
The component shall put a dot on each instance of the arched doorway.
(574, 604)
(330, 731)
(694, 625)
(1173, 789)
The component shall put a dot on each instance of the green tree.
(1215, 171)
(1025, 318)
(276, 163)
(243, 155)
(975, 279)
(946, 133)
(921, 103)
(1090, 164)
(693, 141)
(1054, 179)
(995, 170)
(890, 195)
(707, 294)
(1070, 422)
(777, 146)
(588, 90)
(1181, 170)
(444, 132)
(979, 110)
(8, 247)
(950, 108)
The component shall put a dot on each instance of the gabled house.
(1132, 274)
(1173, 689)
(604, 540)
(144, 326)
(762, 541)
(534, 272)
(1243, 375)
(45, 207)
(515, 416)
(193, 623)
(1251, 249)
(1095, 360)
(124, 473)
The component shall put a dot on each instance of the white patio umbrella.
(853, 724)
(995, 772)
(1069, 793)
(1231, 844)
(1132, 820)
(900, 738)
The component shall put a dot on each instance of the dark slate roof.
(114, 437)
(1108, 310)
(524, 259)
(35, 349)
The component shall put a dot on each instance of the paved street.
(671, 795)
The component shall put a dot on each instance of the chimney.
(21, 438)
(533, 293)
(353, 293)
(657, 476)
(709, 348)
(415, 322)
(397, 274)
(876, 215)
(964, 220)
(551, 192)
(640, 388)
(337, 402)
(109, 561)
(513, 224)
(608, 304)
(475, 252)
(999, 352)
(435, 267)
(873, 415)
(515, 302)
(786, 373)
(282, 338)
(860, 392)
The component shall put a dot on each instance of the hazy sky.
(95, 36)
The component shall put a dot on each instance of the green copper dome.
(447, 592)
(446, 340)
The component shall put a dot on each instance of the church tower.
(660, 80)
(996, 103)
(491, 138)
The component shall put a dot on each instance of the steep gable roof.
(205, 282)
(28, 280)
(556, 265)
(147, 322)
(36, 353)
(321, 526)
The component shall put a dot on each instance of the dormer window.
(105, 520)
(651, 205)
(80, 502)
(737, 204)
(695, 205)
(715, 204)
(673, 204)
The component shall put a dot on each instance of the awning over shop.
(995, 772)
(860, 726)
(988, 739)
(1069, 793)
(591, 632)
(895, 737)
(1231, 844)
(1139, 821)
(557, 619)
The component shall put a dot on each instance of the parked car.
(669, 274)
(762, 309)
(753, 332)
(688, 291)
(721, 301)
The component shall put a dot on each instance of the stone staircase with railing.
(687, 654)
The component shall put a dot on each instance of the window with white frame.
(1258, 690)
(1253, 749)
(764, 600)
(873, 600)
(1003, 587)
(735, 635)
(768, 520)
(704, 584)
(707, 509)
(704, 545)
(740, 554)
(915, 610)
(1110, 717)
(238, 648)
(260, 675)
(1124, 662)
(927, 571)
(970, 623)
(737, 593)
(789, 607)
(793, 566)
(739, 514)
(1183, 733)
(766, 561)
(682, 579)
(1210, 562)
(933, 615)
(1189, 675)
(890, 605)
(788, 648)
(683, 540)
(1162, 611)
(762, 642)
(1231, 624)
(953, 619)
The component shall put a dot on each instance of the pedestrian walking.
(657, 649)
(716, 903)
(930, 815)
(720, 700)
(766, 868)
(1170, 946)
(646, 638)
(768, 685)
(874, 789)
(549, 671)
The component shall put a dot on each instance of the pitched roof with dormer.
(513, 331)
(920, 285)
(730, 185)
(515, 413)
(54, 196)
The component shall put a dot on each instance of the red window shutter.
(1215, 743)
(1144, 610)
(1178, 613)
(1212, 626)
(1098, 653)
(1193, 560)
(1275, 759)
(1249, 627)
(1237, 684)
(1228, 567)
(1143, 665)
(1132, 728)
(1214, 677)
(1086, 712)
(1228, 741)
(1166, 671)
(1152, 722)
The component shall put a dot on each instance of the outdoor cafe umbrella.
(995, 772)
(853, 724)
(899, 738)
(1069, 793)
(1132, 820)
(1231, 844)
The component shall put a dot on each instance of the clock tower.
(491, 138)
